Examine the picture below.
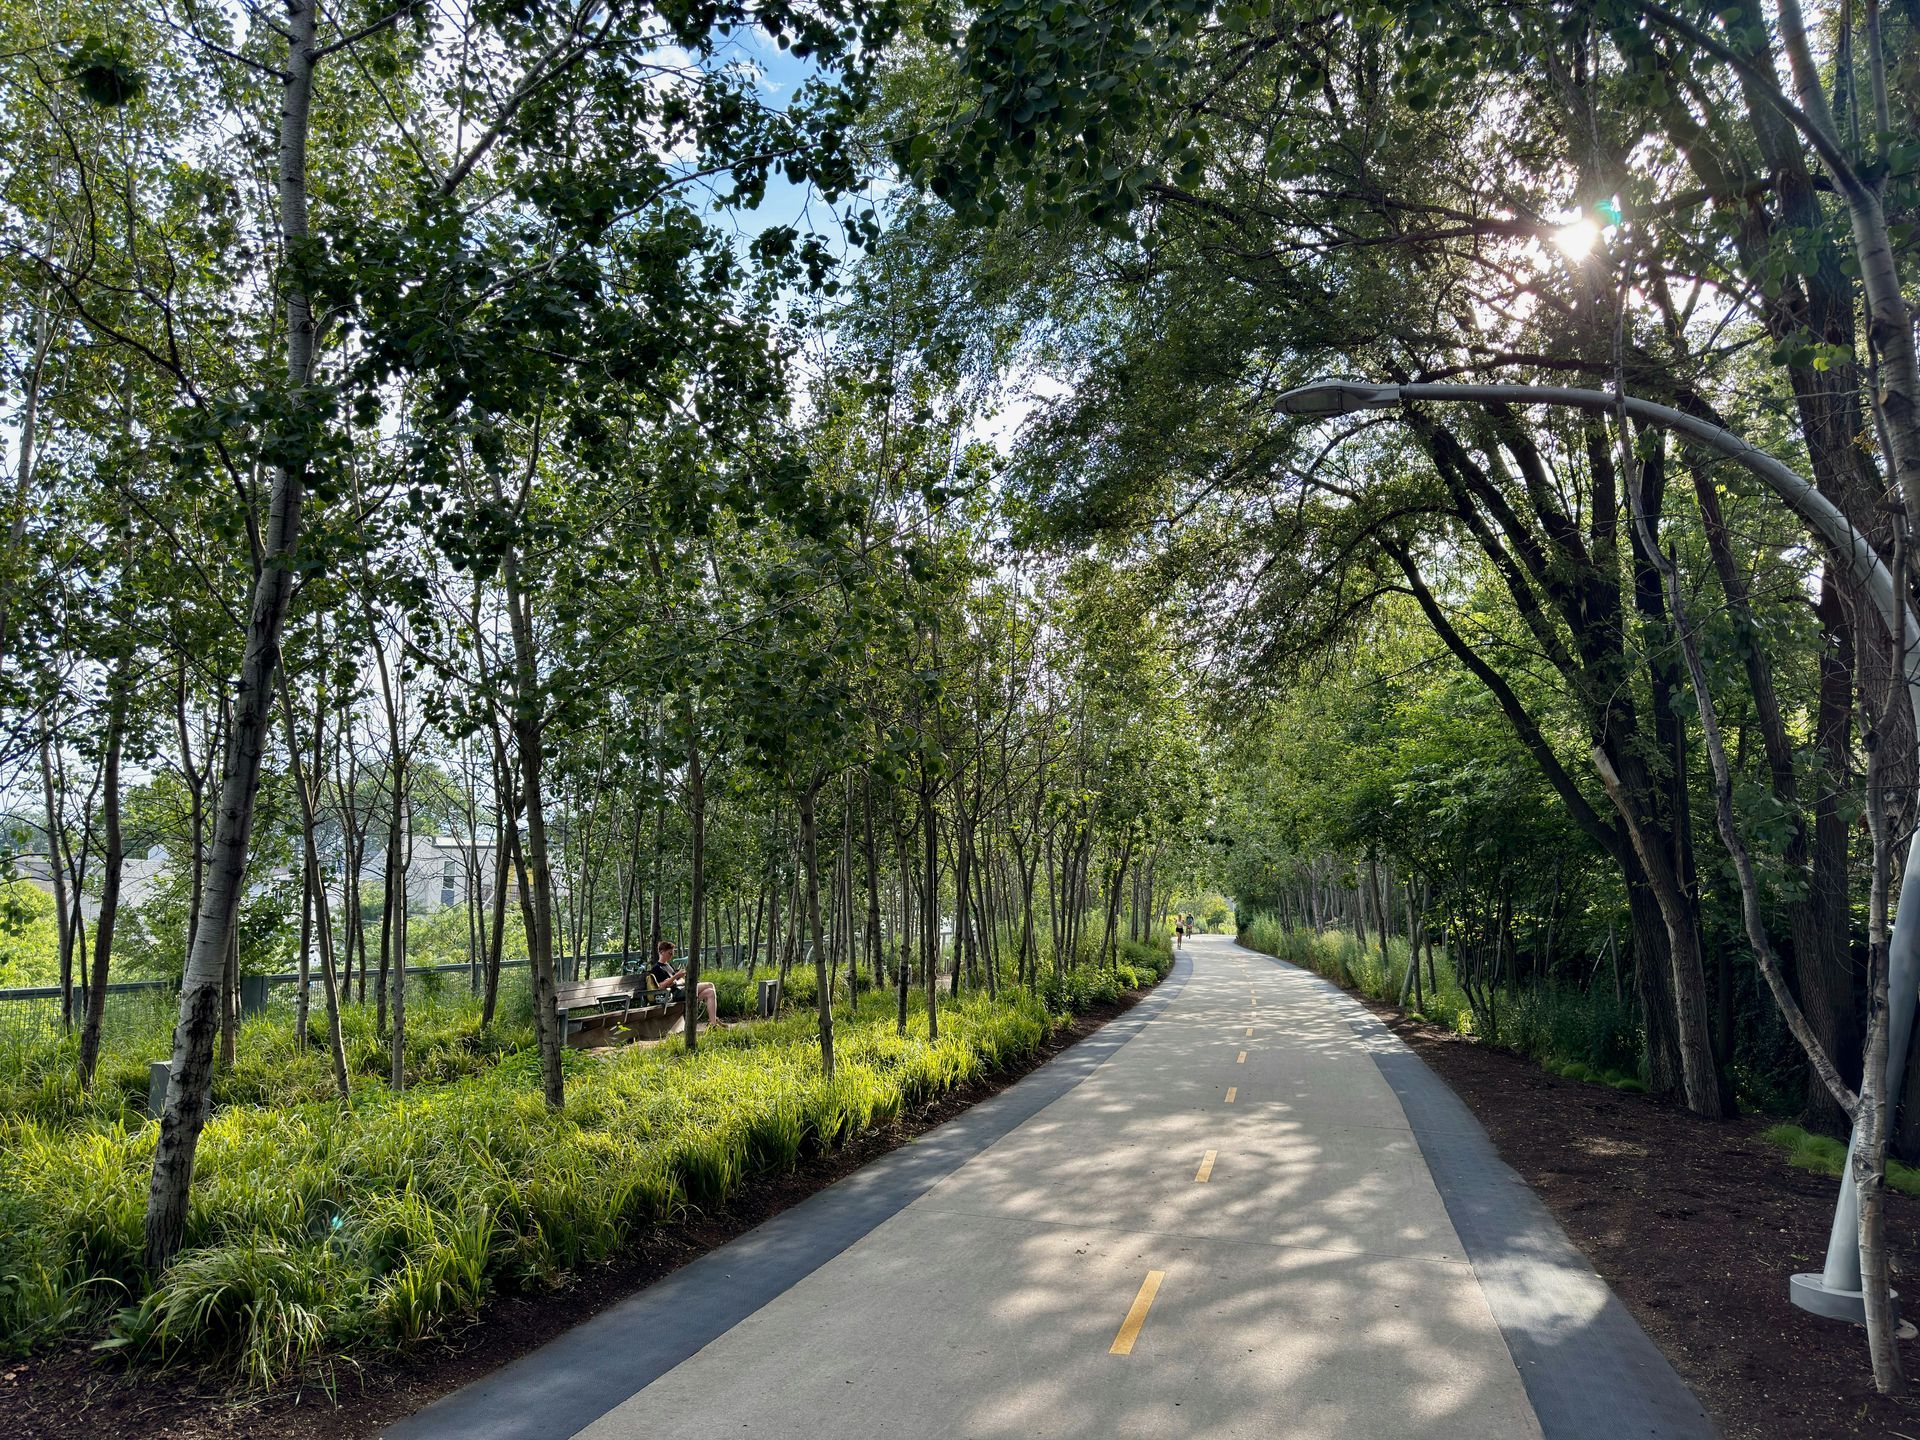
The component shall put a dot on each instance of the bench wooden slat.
(604, 985)
(625, 993)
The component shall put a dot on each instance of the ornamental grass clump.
(261, 1310)
(447, 1277)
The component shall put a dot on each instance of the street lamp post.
(1835, 1290)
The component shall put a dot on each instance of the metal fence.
(32, 1014)
(28, 1016)
(724, 957)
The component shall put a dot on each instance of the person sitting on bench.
(663, 973)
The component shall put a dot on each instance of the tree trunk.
(754, 931)
(307, 791)
(1650, 988)
(1663, 851)
(697, 819)
(870, 853)
(230, 1000)
(1109, 941)
(930, 907)
(190, 1086)
(1825, 968)
(774, 879)
(505, 829)
(627, 892)
(537, 899)
(659, 846)
(903, 859)
(393, 891)
(110, 880)
(962, 879)
(397, 1040)
(355, 946)
(304, 976)
(1868, 1155)
(57, 874)
(824, 991)
(1379, 909)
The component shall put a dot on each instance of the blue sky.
(783, 75)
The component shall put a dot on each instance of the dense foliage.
(1656, 717)
(827, 484)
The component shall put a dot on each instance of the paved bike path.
(1212, 1218)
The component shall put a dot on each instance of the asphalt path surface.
(1215, 1217)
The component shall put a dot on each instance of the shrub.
(1557, 1026)
(1081, 988)
(738, 995)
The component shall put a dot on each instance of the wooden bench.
(585, 1004)
(592, 1011)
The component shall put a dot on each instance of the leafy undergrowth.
(319, 1230)
(1583, 1035)
(1824, 1155)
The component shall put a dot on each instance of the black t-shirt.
(662, 972)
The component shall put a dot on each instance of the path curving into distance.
(1243, 1209)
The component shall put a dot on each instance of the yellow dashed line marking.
(1242, 1059)
(1249, 1032)
(1205, 1172)
(1137, 1316)
(1232, 1090)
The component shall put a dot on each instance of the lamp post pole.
(1835, 1290)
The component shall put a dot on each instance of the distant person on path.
(663, 973)
(1179, 933)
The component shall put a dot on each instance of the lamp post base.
(1810, 1292)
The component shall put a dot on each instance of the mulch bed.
(1696, 1225)
(73, 1394)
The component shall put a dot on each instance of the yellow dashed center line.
(1232, 1090)
(1241, 1059)
(1137, 1316)
(1205, 1172)
(1249, 1032)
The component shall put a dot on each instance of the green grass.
(320, 1231)
(1824, 1155)
(39, 1079)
